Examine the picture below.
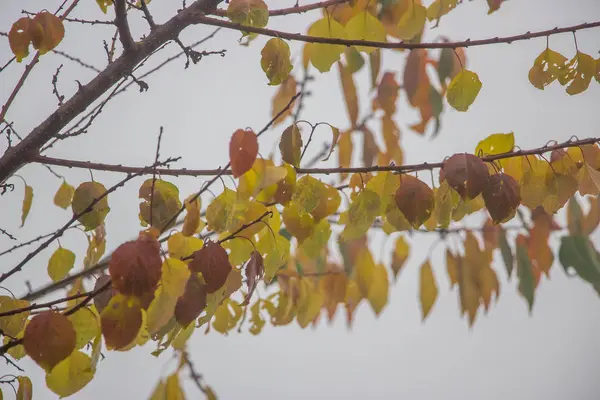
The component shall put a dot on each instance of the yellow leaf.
(122, 321)
(181, 246)
(546, 68)
(498, 143)
(463, 89)
(364, 26)
(192, 223)
(446, 201)
(277, 250)
(174, 391)
(27, 200)
(256, 319)
(316, 243)
(345, 149)
(64, 195)
(182, 337)
(336, 135)
(439, 8)
(160, 392)
(579, 72)
(227, 316)
(282, 98)
(84, 196)
(275, 61)
(86, 324)
(297, 221)
(174, 276)
(322, 56)
(52, 32)
(290, 145)
(16, 352)
(400, 254)
(309, 302)
(428, 289)
(349, 89)
(60, 263)
(384, 184)
(378, 289)
(25, 391)
(363, 210)
(70, 375)
(219, 212)
(163, 197)
(452, 268)
(488, 283)
(412, 21)
(19, 37)
(104, 4)
(12, 325)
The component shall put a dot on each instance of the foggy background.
(553, 354)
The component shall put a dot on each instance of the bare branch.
(406, 168)
(202, 19)
(123, 26)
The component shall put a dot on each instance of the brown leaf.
(213, 262)
(502, 196)
(282, 97)
(466, 174)
(254, 272)
(334, 292)
(121, 321)
(243, 149)
(416, 82)
(190, 305)
(349, 89)
(290, 145)
(135, 267)
(370, 149)
(49, 338)
(415, 199)
(387, 93)
(20, 36)
(51, 33)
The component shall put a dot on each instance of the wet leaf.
(49, 338)
(275, 61)
(463, 89)
(243, 149)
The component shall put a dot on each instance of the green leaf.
(578, 252)
(525, 274)
(505, 250)
(463, 90)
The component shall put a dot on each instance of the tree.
(279, 222)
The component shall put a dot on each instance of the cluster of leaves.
(278, 224)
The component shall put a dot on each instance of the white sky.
(553, 354)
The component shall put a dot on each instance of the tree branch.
(313, 171)
(123, 26)
(19, 155)
(292, 10)
(202, 19)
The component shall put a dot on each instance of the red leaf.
(502, 196)
(466, 174)
(49, 338)
(415, 199)
(190, 305)
(135, 267)
(243, 149)
(212, 261)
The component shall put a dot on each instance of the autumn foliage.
(193, 265)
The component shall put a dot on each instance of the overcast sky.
(553, 354)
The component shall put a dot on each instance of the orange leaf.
(49, 338)
(243, 149)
